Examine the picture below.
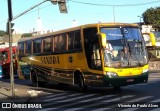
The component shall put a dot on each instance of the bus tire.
(80, 81)
(41, 84)
(34, 79)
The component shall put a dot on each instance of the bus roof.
(77, 28)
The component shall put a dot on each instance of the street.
(140, 97)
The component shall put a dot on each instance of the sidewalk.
(21, 95)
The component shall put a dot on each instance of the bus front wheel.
(34, 79)
(81, 84)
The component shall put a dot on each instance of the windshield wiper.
(134, 57)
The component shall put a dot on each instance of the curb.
(20, 95)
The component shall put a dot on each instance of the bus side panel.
(58, 68)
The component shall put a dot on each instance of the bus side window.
(47, 45)
(77, 40)
(37, 46)
(56, 43)
(21, 48)
(74, 41)
(70, 41)
(28, 47)
(62, 42)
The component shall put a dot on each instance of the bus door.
(92, 49)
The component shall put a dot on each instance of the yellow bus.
(100, 55)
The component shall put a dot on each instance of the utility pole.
(113, 14)
(10, 46)
(140, 17)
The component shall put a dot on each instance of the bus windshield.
(125, 47)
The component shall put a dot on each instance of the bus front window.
(125, 47)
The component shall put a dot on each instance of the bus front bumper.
(123, 81)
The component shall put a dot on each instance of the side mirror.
(153, 39)
(103, 39)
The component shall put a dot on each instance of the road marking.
(119, 98)
(80, 97)
(72, 109)
(53, 95)
(156, 101)
(79, 102)
(47, 109)
(62, 97)
(104, 102)
(157, 109)
(139, 99)
(88, 100)
(101, 109)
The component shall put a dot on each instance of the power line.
(87, 3)
(111, 5)
(31, 11)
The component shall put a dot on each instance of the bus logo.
(70, 59)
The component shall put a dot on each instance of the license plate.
(130, 80)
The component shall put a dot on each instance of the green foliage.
(2, 33)
(152, 17)
(26, 35)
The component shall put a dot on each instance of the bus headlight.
(110, 74)
(145, 70)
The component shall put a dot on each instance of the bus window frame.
(43, 47)
(19, 48)
(73, 38)
(26, 48)
(39, 52)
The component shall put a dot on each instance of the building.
(4, 40)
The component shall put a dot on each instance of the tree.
(152, 17)
(2, 33)
(26, 35)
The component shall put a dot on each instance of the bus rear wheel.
(35, 81)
